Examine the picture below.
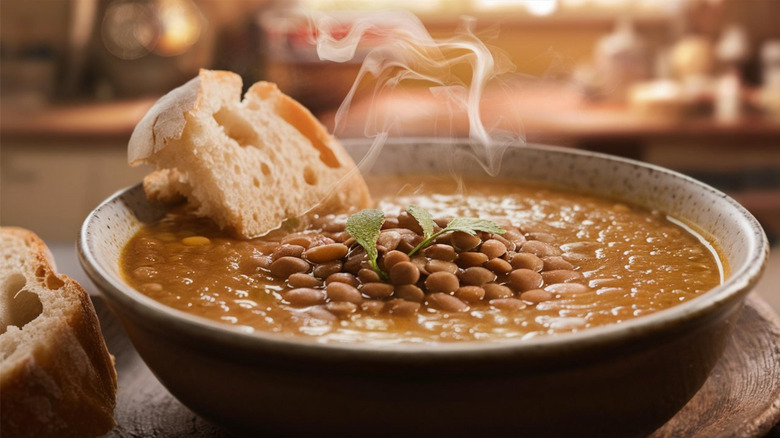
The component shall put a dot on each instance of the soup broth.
(567, 262)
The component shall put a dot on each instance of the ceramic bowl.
(624, 379)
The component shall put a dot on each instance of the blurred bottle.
(732, 50)
(770, 91)
(621, 60)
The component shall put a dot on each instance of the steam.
(409, 53)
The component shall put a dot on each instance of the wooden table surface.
(741, 398)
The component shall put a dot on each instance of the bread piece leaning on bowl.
(56, 375)
(247, 164)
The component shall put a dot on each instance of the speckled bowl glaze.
(624, 379)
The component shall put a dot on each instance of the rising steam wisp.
(409, 53)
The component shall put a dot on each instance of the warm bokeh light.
(180, 26)
(133, 29)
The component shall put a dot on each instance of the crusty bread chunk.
(56, 375)
(247, 164)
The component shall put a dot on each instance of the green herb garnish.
(423, 218)
(464, 224)
(365, 226)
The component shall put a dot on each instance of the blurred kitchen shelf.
(548, 112)
(74, 122)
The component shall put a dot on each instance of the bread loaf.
(247, 164)
(56, 375)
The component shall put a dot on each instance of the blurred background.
(693, 85)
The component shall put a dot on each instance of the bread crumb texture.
(56, 375)
(248, 164)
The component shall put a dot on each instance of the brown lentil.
(514, 235)
(390, 222)
(492, 248)
(464, 241)
(560, 276)
(495, 290)
(254, 262)
(356, 262)
(441, 252)
(389, 239)
(325, 270)
(287, 250)
(326, 253)
(554, 263)
(263, 261)
(409, 292)
(367, 275)
(525, 260)
(537, 295)
(404, 273)
(441, 282)
(508, 304)
(343, 292)
(304, 297)
(542, 237)
(499, 266)
(422, 263)
(444, 239)
(540, 249)
(300, 279)
(470, 294)
(342, 277)
(476, 276)
(341, 308)
(405, 220)
(286, 266)
(297, 239)
(509, 245)
(471, 259)
(435, 265)
(408, 243)
(393, 257)
(567, 288)
(377, 290)
(442, 222)
(399, 307)
(446, 302)
(524, 279)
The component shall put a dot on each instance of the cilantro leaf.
(365, 226)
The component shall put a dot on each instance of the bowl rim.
(734, 289)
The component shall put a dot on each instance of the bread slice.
(56, 375)
(248, 164)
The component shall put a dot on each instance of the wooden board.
(740, 399)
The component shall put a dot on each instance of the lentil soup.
(566, 262)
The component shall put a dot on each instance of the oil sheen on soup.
(566, 262)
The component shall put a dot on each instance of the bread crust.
(248, 164)
(56, 376)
